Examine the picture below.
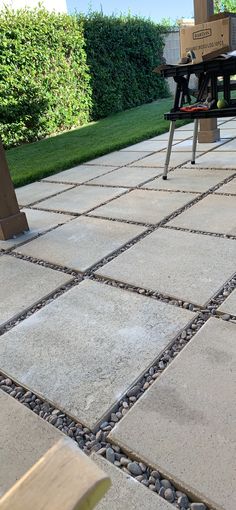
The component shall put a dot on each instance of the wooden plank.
(12, 221)
(208, 132)
(63, 479)
(203, 9)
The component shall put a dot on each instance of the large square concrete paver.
(230, 187)
(38, 191)
(231, 124)
(185, 424)
(80, 174)
(125, 492)
(215, 213)
(226, 147)
(118, 158)
(38, 221)
(128, 176)
(82, 242)
(147, 146)
(227, 133)
(187, 127)
(24, 438)
(186, 146)
(214, 160)
(184, 179)
(80, 199)
(144, 206)
(23, 284)
(158, 159)
(85, 349)
(178, 136)
(176, 263)
(229, 305)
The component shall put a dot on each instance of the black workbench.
(207, 73)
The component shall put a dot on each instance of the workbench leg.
(168, 153)
(195, 132)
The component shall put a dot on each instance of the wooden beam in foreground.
(208, 132)
(63, 479)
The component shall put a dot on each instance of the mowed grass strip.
(31, 162)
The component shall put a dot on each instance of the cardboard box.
(210, 37)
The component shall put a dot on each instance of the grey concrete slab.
(186, 127)
(147, 146)
(178, 135)
(215, 213)
(128, 176)
(144, 206)
(24, 438)
(81, 243)
(190, 179)
(23, 284)
(176, 263)
(223, 120)
(186, 146)
(118, 158)
(80, 199)
(231, 124)
(31, 193)
(230, 187)
(80, 174)
(226, 133)
(229, 305)
(184, 424)
(230, 146)
(125, 492)
(158, 159)
(101, 340)
(215, 159)
(38, 221)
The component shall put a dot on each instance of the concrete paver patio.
(195, 180)
(144, 206)
(213, 214)
(79, 174)
(228, 188)
(176, 263)
(82, 242)
(80, 199)
(39, 221)
(127, 176)
(18, 291)
(229, 306)
(109, 347)
(38, 191)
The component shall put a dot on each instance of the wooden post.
(208, 128)
(12, 221)
(63, 479)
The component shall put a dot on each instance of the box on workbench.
(216, 36)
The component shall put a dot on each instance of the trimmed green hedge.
(59, 71)
(44, 80)
(122, 53)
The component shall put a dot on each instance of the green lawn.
(34, 161)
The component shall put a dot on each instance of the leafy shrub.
(122, 53)
(58, 71)
(44, 80)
